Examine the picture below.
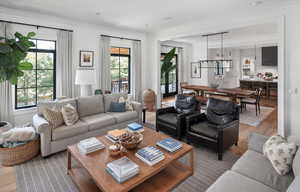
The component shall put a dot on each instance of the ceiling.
(143, 15)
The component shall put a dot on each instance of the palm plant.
(167, 65)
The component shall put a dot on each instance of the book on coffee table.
(169, 144)
(150, 155)
(89, 145)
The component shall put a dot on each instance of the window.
(169, 84)
(120, 70)
(37, 84)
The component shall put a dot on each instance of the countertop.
(260, 80)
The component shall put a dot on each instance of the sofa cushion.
(124, 116)
(55, 118)
(57, 105)
(108, 98)
(117, 107)
(99, 121)
(169, 118)
(90, 105)
(296, 163)
(295, 185)
(232, 182)
(256, 166)
(203, 128)
(69, 131)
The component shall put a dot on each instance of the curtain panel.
(105, 75)
(136, 70)
(6, 89)
(65, 84)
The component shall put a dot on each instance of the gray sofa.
(95, 119)
(253, 172)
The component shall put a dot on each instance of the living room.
(80, 49)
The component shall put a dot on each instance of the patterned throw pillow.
(54, 117)
(70, 114)
(280, 153)
(128, 101)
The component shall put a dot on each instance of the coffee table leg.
(69, 161)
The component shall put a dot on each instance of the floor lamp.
(85, 78)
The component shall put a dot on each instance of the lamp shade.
(85, 77)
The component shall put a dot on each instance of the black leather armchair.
(218, 129)
(172, 120)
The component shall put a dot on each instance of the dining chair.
(253, 101)
(186, 92)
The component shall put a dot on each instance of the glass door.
(169, 81)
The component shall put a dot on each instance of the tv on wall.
(270, 56)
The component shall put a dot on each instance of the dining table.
(233, 93)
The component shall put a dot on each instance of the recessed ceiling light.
(98, 13)
(256, 3)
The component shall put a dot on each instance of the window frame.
(36, 51)
(129, 65)
(168, 94)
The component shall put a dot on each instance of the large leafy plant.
(13, 51)
(167, 65)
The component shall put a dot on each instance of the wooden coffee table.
(90, 173)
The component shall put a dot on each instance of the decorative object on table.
(130, 140)
(135, 127)
(4, 126)
(215, 81)
(114, 135)
(116, 149)
(90, 145)
(150, 155)
(13, 52)
(85, 78)
(169, 144)
(122, 169)
(195, 70)
(149, 99)
(86, 59)
(280, 153)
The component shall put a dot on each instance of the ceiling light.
(256, 3)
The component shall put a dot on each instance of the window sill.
(25, 111)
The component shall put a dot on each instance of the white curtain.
(136, 70)
(181, 64)
(105, 76)
(6, 97)
(64, 66)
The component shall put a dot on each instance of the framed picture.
(86, 59)
(196, 70)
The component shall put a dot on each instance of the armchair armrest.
(194, 118)
(165, 110)
(256, 142)
(40, 124)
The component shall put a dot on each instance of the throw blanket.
(18, 134)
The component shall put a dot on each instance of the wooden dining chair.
(253, 101)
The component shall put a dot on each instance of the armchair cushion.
(204, 128)
(185, 104)
(220, 111)
(170, 118)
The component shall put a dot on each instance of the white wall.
(85, 37)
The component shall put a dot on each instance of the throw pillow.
(54, 117)
(70, 114)
(128, 102)
(280, 153)
(117, 107)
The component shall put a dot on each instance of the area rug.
(49, 174)
(249, 117)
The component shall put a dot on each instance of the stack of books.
(89, 145)
(135, 127)
(169, 144)
(122, 169)
(114, 135)
(150, 155)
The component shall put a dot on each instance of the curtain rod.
(171, 46)
(37, 26)
(120, 37)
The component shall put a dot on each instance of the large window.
(120, 70)
(37, 84)
(169, 82)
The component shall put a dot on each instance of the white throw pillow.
(128, 102)
(69, 114)
(280, 153)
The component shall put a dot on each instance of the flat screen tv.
(270, 56)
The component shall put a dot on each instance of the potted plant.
(167, 65)
(13, 51)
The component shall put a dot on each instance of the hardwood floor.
(268, 127)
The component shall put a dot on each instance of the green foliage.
(12, 54)
(167, 64)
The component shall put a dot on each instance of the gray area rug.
(249, 117)
(49, 174)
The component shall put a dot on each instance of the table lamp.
(85, 78)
